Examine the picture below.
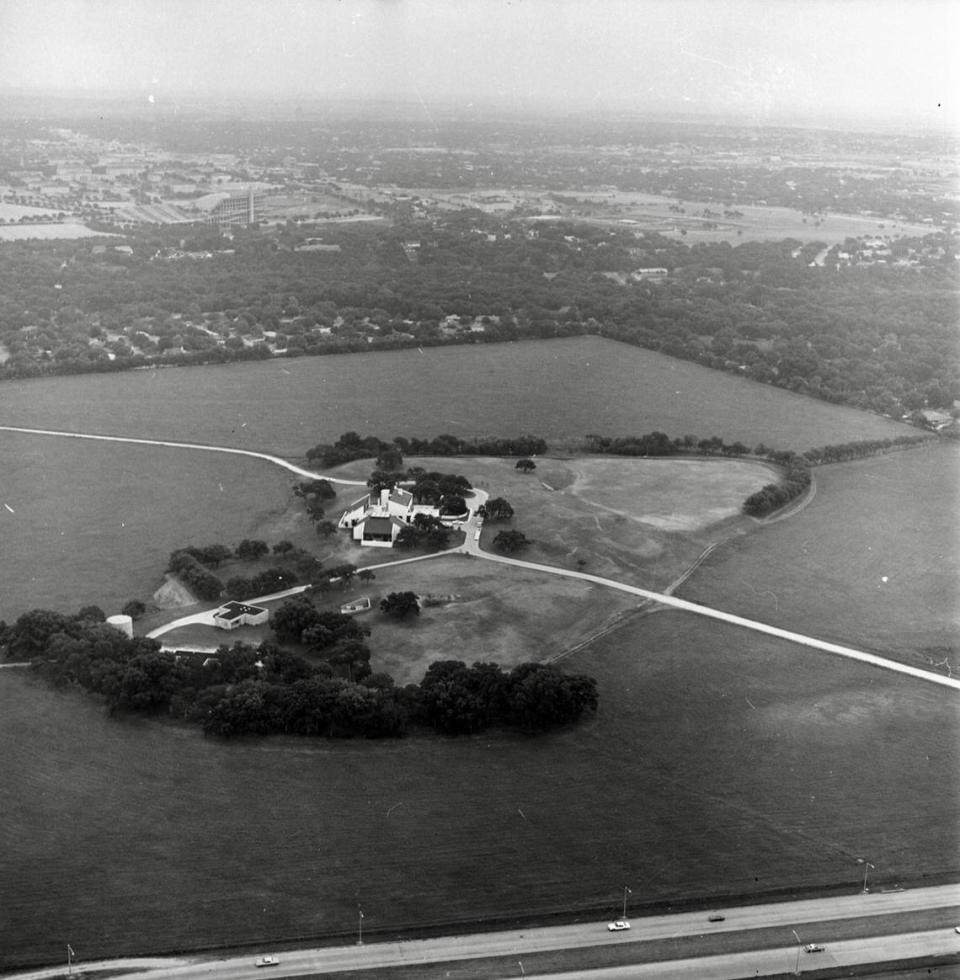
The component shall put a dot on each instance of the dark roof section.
(234, 610)
(377, 525)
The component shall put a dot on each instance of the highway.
(785, 960)
(741, 927)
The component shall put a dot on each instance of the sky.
(761, 59)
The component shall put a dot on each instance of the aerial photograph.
(479, 489)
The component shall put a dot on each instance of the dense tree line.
(795, 482)
(198, 579)
(264, 690)
(457, 699)
(878, 337)
(389, 454)
(191, 565)
(864, 447)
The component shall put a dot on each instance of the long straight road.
(751, 624)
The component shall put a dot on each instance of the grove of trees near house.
(264, 690)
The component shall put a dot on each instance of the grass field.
(720, 764)
(95, 523)
(559, 389)
(873, 561)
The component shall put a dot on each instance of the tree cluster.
(426, 531)
(198, 579)
(861, 449)
(399, 605)
(263, 690)
(496, 509)
(389, 455)
(511, 541)
(794, 483)
(270, 580)
(190, 566)
(457, 699)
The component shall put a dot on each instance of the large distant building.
(231, 207)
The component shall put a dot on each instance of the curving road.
(277, 460)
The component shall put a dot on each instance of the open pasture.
(720, 764)
(94, 522)
(559, 389)
(873, 561)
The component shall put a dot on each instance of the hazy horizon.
(774, 62)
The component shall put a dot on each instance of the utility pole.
(359, 926)
(626, 891)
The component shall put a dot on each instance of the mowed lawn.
(872, 562)
(721, 764)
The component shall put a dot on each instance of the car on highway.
(716, 917)
(267, 961)
(814, 948)
(618, 925)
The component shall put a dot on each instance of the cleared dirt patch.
(670, 494)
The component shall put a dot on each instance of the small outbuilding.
(361, 604)
(235, 614)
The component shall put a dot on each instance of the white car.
(814, 948)
(618, 925)
(267, 961)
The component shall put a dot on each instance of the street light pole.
(796, 969)
(359, 926)
(866, 867)
(626, 891)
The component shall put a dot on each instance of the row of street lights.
(867, 867)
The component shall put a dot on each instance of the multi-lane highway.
(750, 941)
